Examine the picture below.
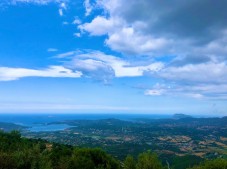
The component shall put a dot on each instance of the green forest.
(17, 152)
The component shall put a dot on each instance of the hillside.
(22, 153)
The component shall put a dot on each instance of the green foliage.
(148, 160)
(92, 158)
(21, 153)
(6, 161)
(213, 164)
(181, 162)
(129, 163)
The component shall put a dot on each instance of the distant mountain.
(181, 116)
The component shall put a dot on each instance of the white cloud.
(76, 21)
(210, 72)
(100, 62)
(130, 42)
(154, 28)
(7, 74)
(65, 23)
(52, 50)
(100, 26)
(60, 11)
(39, 2)
(196, 91)
(159, 28)
(77, 34)
(203, 80)
(64, 55)
(124, 37)
(88, 7)
(154, 92)
(61, 3)
(124, 69)
(62, 7)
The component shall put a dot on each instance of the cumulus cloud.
(161, 27)
(171, 18)
(127, 41)
(8, 74)
(124, 38)
(193, 32)
(99, 26)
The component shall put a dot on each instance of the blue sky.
(100, 56)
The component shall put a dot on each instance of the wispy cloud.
(62, 8)
(52, 50)
(39, 2)
(196, 91)
(61, 3)
(8, 74)
(78, 34)
(88, 7)
(210, 72)
(197, 80)
(90, 64)
(98, 64)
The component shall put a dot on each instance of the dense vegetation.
(17, 152)
(213, 164)
(22, 153)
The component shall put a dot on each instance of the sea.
(42, 122)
